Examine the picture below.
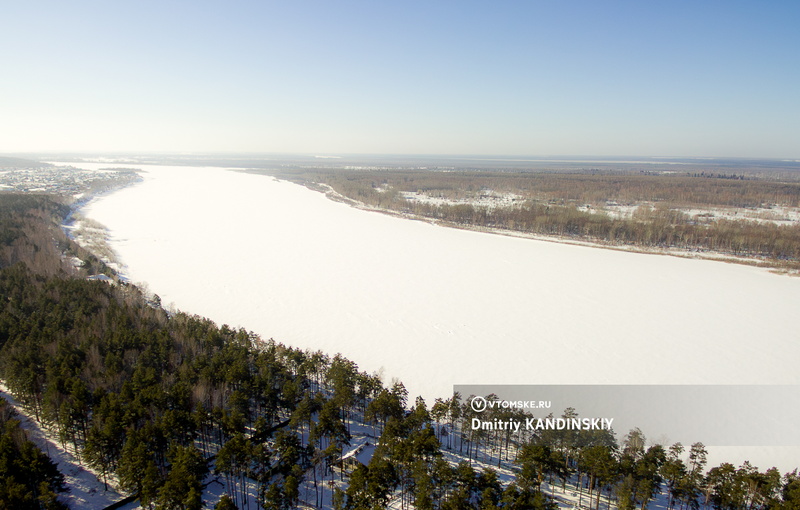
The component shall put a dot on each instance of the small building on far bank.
(101, 278)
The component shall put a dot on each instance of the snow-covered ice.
(435, 306)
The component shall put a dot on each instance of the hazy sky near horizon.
(515, 77)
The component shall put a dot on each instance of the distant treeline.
(674, 190)
(10, 162)
(661, 228)
(552, 204)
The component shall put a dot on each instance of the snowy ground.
(86, 489)
(436, 306)
(769, 213)
(486, 198)
(779, 215)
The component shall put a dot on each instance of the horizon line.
(336, 155)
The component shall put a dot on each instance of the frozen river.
(436, 307)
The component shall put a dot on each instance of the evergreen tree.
(225, 503)
(137, 470)
(182, 489)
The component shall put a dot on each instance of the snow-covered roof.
(361, 450)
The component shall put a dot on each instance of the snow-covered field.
(435, 306)
(486, 198)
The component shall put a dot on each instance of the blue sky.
(521, 77)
